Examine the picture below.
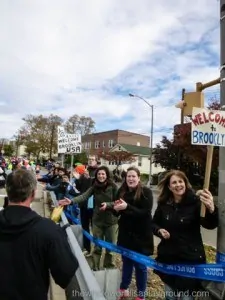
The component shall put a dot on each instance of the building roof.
(135, 149)
(113, 131)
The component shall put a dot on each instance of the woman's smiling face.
(132, 179)
(177, 186)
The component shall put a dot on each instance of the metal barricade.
(84, 285)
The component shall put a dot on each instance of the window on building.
(112, 163)
(103, 144)
(87, 145)
(111, 143)
(97, 144)
(139, 161)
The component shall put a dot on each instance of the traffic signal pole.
(217, 290)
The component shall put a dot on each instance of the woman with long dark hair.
(104, 222)
(178, 223)
(134, 207)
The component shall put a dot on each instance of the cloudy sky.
(85, 57)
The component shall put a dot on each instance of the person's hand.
(103, 206)
(76, 175)
(120, 205)
(118, 202)
(164, 233)
(65, 202)
(86, 174)
(207, 199)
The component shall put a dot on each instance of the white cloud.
(84, 57)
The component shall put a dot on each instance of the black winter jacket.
(185, 245)
(135, 223)
(30, 247)
(84, 183)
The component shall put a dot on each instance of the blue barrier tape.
(71, 209)
(220, 258)
(212, 272)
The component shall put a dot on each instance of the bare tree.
(80, 124)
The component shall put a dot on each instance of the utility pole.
(179, 154)
(221, 195)
(221, 202)
(217, 290)
(151, 134)
(151, 144)
(182, 111)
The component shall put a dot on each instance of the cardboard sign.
(68, 143)
(208, 127)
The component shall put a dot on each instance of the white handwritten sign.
(208, 127)
(68, 143)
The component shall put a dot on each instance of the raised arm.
(211, 219)
(83, 197)
(147, 203)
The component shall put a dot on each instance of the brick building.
(104, 141)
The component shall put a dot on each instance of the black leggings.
(86, 222)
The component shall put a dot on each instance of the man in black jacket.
(30, 245)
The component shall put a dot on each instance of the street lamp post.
(151, 133)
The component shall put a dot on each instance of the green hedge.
(144, 178)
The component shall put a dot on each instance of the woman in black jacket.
(177, 222)
(135, 229)
(6, 202)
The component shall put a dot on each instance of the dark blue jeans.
(140, 274)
